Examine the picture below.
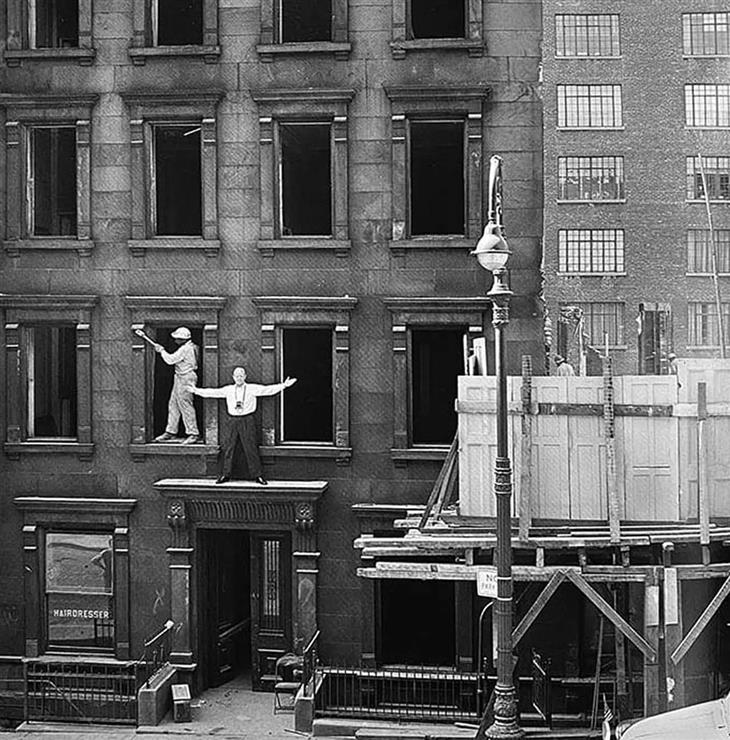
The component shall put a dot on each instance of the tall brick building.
(300, 189)
(634, 95)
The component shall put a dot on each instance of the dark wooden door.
(270, 604)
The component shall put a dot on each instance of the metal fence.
(156, 652)
(309, 665)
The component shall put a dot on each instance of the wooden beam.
(702, 621)
(609, 433)
(703, 478)
(652, 678)
(440, 478)
(526, 451)
(537, 606)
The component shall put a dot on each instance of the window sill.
(341, 454)
(595, 202)
(14, 247)
(84, 450)
(584, 57)
(436, 453)
(138, 247)
(705, 56)
(591, 128)
(706, 274)
(341, 247)
(701, 201)
(340, 50)
(139, 55)
(475, 47)
(689, 127)
(140, 451)
(83, 56)
(562, 273)
(400, 246)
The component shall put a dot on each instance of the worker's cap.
(181, 332)
(671, 356)
(559, 359)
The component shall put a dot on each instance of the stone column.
(180, 558)
(306, 573)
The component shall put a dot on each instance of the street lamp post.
(493, 253)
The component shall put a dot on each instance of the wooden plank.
(537, 606)
(596, 409)
(703, 478)
(652, 677)
(622, 686)
(672, 638)
(442, 475)
(526, 450)
(609, 431)
(702, 621)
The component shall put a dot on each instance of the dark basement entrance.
(244, 604)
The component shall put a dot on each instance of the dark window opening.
(163, 376)
(178, 181)
(307, 356)
(438, 19)
(437, 177)
(52, 395)
(306, 20)
(56, 24)
(180, 22)
(306, 185)
(54, 181)
(416, 623)
(436, 362)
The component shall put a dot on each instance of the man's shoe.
(191, 439)
(262, 481)
(223, 478)
(165, 437)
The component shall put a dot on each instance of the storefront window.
(79, 590)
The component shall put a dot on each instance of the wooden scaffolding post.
(609, 431)
(672, 630)
(652, 684)
(526, 451)
(703, 478)
(622, 689)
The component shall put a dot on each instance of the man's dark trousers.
(243, 428)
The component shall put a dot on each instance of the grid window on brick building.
(591, 250)
(433, 19)
(589, 106)
(176, 22)
(706, 34)
(702, 325)
(305, 20)
(590, 178)
(53, 24)
(603, 321)
(715, 171)
(699, 250)
(707, 106)
(587, 35)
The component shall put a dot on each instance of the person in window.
(673, 367)
(185, 360)
(241, 404)
(562, 367)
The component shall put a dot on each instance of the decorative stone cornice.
(48, 302)
(446, 304)
(437, 92)
(69, 505)
(180, 303)
(155, 98)
(302, 95)
(18, 101)
(309, 303)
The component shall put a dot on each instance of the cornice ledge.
(270, 303)
(48, 301)
(276, 490)
(67, 504)
(177, 302)
(307, 94)
(48, 100)
(463, 303)
(172, 97)
(437, 92)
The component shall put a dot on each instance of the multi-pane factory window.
(590, 178)
(587, 35)
(306, 179)
(602, 321)
(176, 179)
(52, 181)
(305, 20)
(715, 171)
(437, 181)
(589, 106)
(706, 34)
(53, 24)
(176, 22)
(591, 250)
(707, 105)
(437, 19)
(699, 250)
(703, 329)
(51, 381)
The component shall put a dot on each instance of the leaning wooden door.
(270, 604)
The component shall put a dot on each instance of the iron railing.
(541, 689)
(12, 689)
(401, 692)
(309, 665)
(156, 651)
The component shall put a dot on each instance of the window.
(602, 320)
(715, 171)
(589, 106)
(304, 169)
(707, 106)
(47, 342)
(436, 177)
(591, 250)
(706, 34)
(436, 171)
(587, 35)
(79, 590)
(54, 24)
(308, 339)
(699, 250)
(434, 19)
(48, 173)
(703, 328)
(591, 178)
(305, 20)
(177, 22)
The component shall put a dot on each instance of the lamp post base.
(505, 715)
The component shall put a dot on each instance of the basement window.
(308, 405)
(437, 181)
(305, 20)
(54, 24)
(437, 19)
(177, 22)
(177, 180)
(306, 182)
(52, 174)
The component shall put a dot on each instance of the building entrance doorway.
(244, 604)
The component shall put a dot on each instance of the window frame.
(562, 102)
(693, 171)
(695, 104)
(148, 110)
(426, 102)
(18, 26)
(621, 322)
(616, 43)
(618, 165)
(67, 514)
(687, 35)
(619, 246)
(707, 245)
(423, 313)
(299, 106)
(22, 311)
(280, 312)
(23, 114)
(712, 314)
(151, 310)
